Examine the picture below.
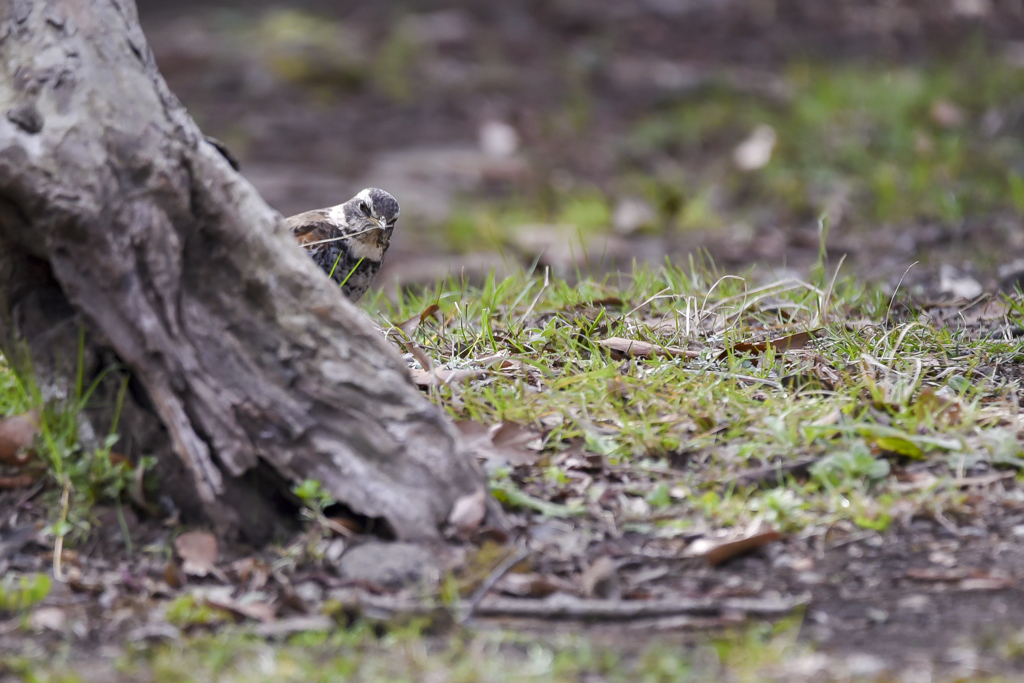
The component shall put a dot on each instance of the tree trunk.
(116, 215)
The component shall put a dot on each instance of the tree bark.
(116, 215)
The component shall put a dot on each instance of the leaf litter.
(618, 456)
(665, 489)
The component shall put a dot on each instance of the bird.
(348, 241)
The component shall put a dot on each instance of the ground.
(773, 427)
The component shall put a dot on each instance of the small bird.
(348, 241)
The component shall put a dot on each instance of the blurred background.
(585, 134)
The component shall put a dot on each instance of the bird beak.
(381, 223)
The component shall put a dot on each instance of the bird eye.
(365, 208)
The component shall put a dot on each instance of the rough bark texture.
(117, 215)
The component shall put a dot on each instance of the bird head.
(372, 209)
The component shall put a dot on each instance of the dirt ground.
(930, 595)
(404, 99)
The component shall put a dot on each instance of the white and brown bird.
(348, 241)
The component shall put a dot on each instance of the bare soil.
(930, 594)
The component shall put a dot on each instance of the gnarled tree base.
(117, 216)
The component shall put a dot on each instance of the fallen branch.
(568, 607)
(563, 606)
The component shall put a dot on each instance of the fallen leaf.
(19, 481)
(620, 389)
(531, 585)
(198, 552)
(17, 433)
(630, 348)
(600, 578)
(173, 575)
(730, 545)
(787, 343)
(898, 444)
(468, 512)
(256, 609)
(504, 442)
(941, 404)
(420, 355)
(410, 325)
(47, 619)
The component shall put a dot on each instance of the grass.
(899, 143)
(81, 473)
(876, 389)
(870, 394)
(874, 145)
(361, 653)
(871, 391)
(895, 405)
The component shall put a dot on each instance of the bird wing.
(312, 227)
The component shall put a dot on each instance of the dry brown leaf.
(491, 360)
(258, 610)
(420, 355)
(17, 433)
(787, 343)
(198, 552)
(941, 404)
(630, 348)
(410, 325)
(19, 481)
(468, 512)
(531, 585)
(600, 578)
(718, 550)
(619, 389)
(502, 442)
(173, 575)
(251, 571)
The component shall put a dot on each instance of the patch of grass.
(576, 213)
(18, 594)
(394, 68)
(81, 476)
(866, 397)
(889, 143)
(407, 654)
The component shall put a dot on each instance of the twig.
(492, 578)
(58, 544)
(569, 607)
(564, 606)
(342, 237)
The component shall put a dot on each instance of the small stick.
(492, 579)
